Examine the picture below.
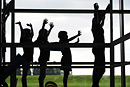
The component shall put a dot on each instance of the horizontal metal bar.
(63, 11)
(73, 63)
(122, 39)
(120, 64)
(71, 67)
(53, 45)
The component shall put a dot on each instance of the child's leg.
(98, 72)
(42, 73)
(97, 75)
(25, 71)
(66, 74)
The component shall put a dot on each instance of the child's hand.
(18, 22)
(51, 25)
(45, 21)
(79, 33)
(29, 25)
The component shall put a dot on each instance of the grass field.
(74, 81)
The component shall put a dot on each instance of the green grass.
(73, 81)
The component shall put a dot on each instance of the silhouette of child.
(66, 60)
(26, 37)
(98, 34)
(5, 14)
(44, 54)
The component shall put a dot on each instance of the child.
(99, 53)
(26, 37)
(44, 54)
(66, 60)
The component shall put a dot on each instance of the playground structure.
(112, 64)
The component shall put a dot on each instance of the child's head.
(62, 35)
(27, 33)
(43, 33)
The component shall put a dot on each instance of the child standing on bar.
(26, 37)
(44, 54)
(66, 60)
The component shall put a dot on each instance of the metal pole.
(112, 79)
(0, 32)
(3, 29)
(13, 49)
(122, 46)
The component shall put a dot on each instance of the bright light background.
(70, 23)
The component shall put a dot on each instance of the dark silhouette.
(15, 63)
(66, 60)
(44, 54)
(99, 53)
(26, 37)
(7, 8)
(5, 14)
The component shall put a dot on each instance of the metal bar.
(121, 64)
(73, 63)
(71, 66)
(76, 63)
(121, 39)
(13, 49)
(122, 46)
(0, 32)
(64, 11)
(3, 29)
(52, 11)
(60, 66)
(53, 45)
(112, 79)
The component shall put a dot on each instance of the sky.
(71, 23)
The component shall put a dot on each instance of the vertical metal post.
(13, 49)
(122, 46)
(3, 28)
(0, 32)
(112, 78)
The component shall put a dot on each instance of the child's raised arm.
(79, 33)
(20, 25)
(22, 31)
(21, 28)
(51, 26)
(32, 32)
(45, 21)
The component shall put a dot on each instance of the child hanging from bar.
(44, 54)
(26, 38)
(66, 60)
